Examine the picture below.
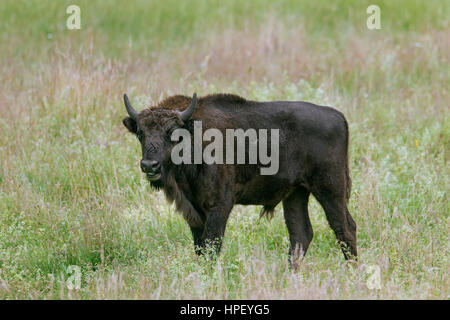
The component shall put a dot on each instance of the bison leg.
(335, 205)
(197, 233)
(295, 208)
(215, 229)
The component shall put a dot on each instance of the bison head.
(153, 127)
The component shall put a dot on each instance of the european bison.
(313, 158)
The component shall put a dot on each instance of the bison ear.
(130, 124)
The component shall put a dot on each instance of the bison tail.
(348, 182)
(267, 212)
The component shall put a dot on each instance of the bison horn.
(187, 114)
(133, 113)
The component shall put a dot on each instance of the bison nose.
(150, 166)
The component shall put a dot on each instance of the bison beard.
(313, 159)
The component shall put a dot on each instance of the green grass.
(71, 192)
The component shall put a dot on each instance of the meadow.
(72, 194)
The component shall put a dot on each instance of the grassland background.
(70, 188)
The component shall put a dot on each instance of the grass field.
(72, 194)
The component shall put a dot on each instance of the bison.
(313, 159)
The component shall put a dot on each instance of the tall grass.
(71, 192)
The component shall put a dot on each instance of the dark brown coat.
(313, 159)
